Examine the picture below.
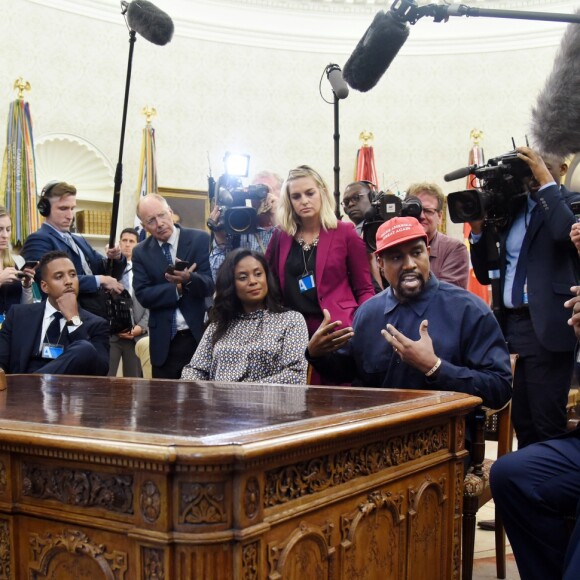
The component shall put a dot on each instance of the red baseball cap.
(397, 231)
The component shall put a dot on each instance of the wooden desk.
(106, 478)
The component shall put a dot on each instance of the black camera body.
(385, 206)
(503, 185)
(238, 207)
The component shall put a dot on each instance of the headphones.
(43, 204)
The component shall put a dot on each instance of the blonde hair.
(6, 255)
(287, 218)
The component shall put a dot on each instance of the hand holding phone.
(29, 265)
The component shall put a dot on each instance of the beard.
(404, 291)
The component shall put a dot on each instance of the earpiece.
(43, 204)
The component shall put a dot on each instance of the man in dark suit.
(537, 266)
(55, 336)
(57, 204)
(537, 490)
(175, 297)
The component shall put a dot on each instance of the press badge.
(2, 317)
(51, 351)
(306, 283)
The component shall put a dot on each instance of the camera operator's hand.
(574, 304)
(327, 339)
(534, 160)
(476, 226)
(219, 236)
(419, 354)
(575, 235)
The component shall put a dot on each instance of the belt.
(185, 331)
(521, 311)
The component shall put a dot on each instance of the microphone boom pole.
(336, 138)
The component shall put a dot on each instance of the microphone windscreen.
(458, 173)
(375, 51)
(337, 83)
(150, 22)
(556, 116)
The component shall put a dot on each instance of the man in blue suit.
(172, 278)
(55, 336)
(538, 265)
(57, 205)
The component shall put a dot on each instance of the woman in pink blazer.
(321, 263)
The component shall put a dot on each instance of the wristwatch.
(74, 321)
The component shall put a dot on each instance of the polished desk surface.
(157, 415)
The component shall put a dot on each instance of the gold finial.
(149, 112)
(22, 86)
(476, 136)
(365, 137)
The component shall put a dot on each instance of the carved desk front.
(107, 478)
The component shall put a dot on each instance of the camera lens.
(239, 220)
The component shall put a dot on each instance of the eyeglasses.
(430, 212)
(351, 200)
(157, 218)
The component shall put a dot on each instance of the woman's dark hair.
(227, 306)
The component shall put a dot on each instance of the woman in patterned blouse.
(251, 337)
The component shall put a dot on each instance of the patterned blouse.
(261, 346)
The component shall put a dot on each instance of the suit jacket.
(160, 297)
(343, 278)
(449, 260)
(20, 336)
(47, 239)
(552, 267)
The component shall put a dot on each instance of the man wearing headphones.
(57, 205)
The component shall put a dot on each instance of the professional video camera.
(502, 186)
(385, 206)
(238, 205)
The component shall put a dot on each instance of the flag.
(365, 161)
(475, 158)
(18, 180)
(148, 165)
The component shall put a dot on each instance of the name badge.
(51, 351)
(306, 283)
(2, 317)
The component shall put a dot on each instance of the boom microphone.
(459, 173)
(556, 116)
(337, 83)
(149, 21)
(375, 51)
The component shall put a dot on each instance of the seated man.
(55, 336)
(436, 336)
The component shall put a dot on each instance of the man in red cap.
(435, 334)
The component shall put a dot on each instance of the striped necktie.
(73, 245)
(166, 247)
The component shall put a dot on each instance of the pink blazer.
(343, 278)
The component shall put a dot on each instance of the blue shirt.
(465, 334)
(257, 242)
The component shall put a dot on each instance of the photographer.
(266, 220)
(448, 259)
(537, 266)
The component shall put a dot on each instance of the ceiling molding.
(334, 26)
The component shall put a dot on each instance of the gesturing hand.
(419, 354)
(326, 339)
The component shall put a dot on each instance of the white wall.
(212, 97)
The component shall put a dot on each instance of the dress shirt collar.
(173, 240)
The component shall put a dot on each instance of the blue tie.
(166, 247)
(522, 265)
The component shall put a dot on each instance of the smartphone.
(30, 265)
(575, 207)
(181, 265)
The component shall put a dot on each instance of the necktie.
(53, 330)
(522, 265)
(166, 247)
(126, 280)
(71, 242)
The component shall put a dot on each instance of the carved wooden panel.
(251, 561)
(152, 563)
(305, 554)
(373, 539)
(426, 556)
(207, 562)
(202, 503)
(5, 549)
(150, 502)
(307, 477)
(79, 487)
(71, 555)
